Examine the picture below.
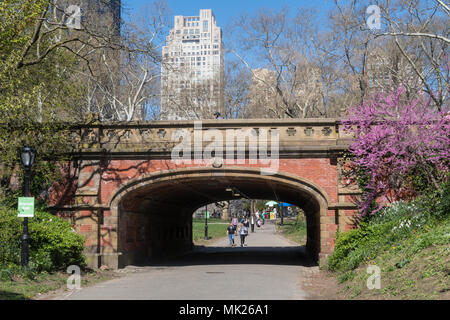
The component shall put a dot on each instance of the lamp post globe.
(27, 156)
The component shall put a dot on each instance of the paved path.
(270, 268)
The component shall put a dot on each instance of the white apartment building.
(192, 71)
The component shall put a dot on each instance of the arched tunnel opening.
(155, 216)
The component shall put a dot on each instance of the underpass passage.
(264, 247)
(155, 220)
(269, 268)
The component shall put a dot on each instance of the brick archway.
(145, 229)
(122, 170)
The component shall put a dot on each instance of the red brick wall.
(119, 172)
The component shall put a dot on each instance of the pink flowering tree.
(399, 146)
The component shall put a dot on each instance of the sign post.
(26, 207)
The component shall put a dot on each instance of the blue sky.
(226, 10)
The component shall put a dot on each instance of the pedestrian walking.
(234, 222)
(243, 231)
(231, 231)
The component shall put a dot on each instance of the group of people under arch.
(241, 227)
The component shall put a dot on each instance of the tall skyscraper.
(192, 71)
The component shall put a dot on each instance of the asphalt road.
(268, 268)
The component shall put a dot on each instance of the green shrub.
(53, 244)
(10, 233)
(414, 225)
(53, 239)
(346, 243)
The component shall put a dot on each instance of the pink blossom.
(394, 137)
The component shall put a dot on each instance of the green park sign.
(26, 207)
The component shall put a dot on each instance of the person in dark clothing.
(243, 231)
(246, 223)
(231, 231)
(234, 222)
(252, 222)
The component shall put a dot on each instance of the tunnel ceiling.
(194, 192)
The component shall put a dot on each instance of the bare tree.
(294, 78)
(408, 50)
(127, 82)
(61, 25)
(420, 32)
(236, 91)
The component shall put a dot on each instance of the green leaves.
(35, 99)
(404, 228)
(53, 243)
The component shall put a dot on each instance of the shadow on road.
(209, 255)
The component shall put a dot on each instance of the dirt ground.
(320, 285)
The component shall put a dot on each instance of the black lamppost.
(280, 208)
(27, 156)
(206, 223)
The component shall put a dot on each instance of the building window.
(205, 26)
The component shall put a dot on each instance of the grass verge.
(408, 242)
(20, 287)
(216, 229)
(293, 230)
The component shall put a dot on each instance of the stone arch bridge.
(131, 188)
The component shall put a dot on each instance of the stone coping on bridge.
(297, 137)
(213, 122)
